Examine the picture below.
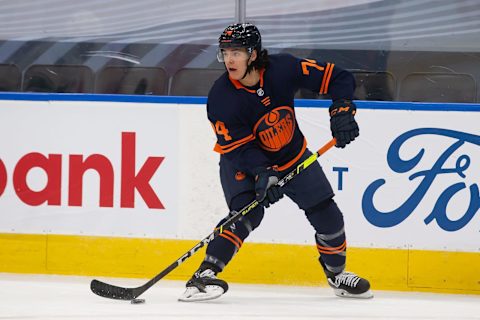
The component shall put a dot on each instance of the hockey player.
(251, 111)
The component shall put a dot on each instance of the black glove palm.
(342, 122)
(266, 190)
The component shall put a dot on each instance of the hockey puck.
(137, 301)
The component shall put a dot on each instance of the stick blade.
(106, 290)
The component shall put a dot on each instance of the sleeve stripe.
(325, 74)
(326, 78)
(232, 146)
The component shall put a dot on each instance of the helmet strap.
(249, 66)
(247, 71)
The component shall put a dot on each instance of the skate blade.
(344, 294)
(192, 294)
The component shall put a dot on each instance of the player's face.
(235, 54)
(236, 61)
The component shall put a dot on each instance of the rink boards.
(124, 185)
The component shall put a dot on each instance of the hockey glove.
(342, 122)
(266, 190)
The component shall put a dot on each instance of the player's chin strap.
(249, 67)
(114, 292)
(247, 71)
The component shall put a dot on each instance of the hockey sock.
(221, 250)
(327, 219)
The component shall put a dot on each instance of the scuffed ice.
(60, 297)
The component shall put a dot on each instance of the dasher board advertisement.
(91, 168)
(148, 170)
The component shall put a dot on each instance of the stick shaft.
(113, 292)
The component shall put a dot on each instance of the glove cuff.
(341, 107)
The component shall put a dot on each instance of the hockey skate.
(349, 285)
(203, 286)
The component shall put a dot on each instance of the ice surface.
(61, 297)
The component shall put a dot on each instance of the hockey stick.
(113, 292)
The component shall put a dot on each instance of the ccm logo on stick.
(78, 165)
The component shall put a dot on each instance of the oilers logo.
(275, 129)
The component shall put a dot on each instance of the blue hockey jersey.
(256, 126)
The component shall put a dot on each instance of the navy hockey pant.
(310, 190)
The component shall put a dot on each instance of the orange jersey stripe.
(261, 77)
(238, 85)
(290, 163)
(232, 146)
(326, 78)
